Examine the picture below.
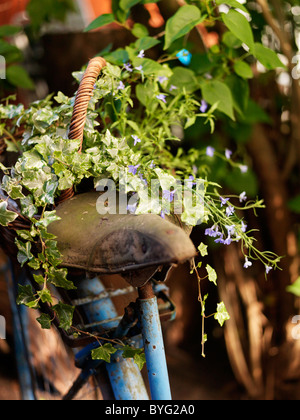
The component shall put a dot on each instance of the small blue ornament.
(184, 56)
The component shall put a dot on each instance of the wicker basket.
(83, 96)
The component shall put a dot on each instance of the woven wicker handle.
(83, 96)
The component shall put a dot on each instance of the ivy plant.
(136, 125)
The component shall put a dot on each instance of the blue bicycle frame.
(125, 379)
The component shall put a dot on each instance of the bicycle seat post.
(153, 344)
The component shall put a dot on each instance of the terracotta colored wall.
(100, 7)
(9, 9)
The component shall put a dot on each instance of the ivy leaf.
(212, 275)
(138, 355)
(100, 21)
(239, 26)
(64, 313)
(11, 186)
(38, 278)
(45, 295)
(26, 296)
(221, 315)
(103, 352)
(6, 216)
(49, 217)
(58, 277)
(24, 253)
(28, 208)
(45, 321)
(203, 249)
(25, 234)
(181, 23)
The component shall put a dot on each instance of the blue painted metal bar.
(20, 327)
(154, 349)
(126, 379)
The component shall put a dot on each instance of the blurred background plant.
(257, 120)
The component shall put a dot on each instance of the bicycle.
(138, 248)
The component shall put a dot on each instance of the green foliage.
(6, 216)
(295, 287)
(184, 20)
(240, 27)
(15, 74)
(137, 121)
(100, 21)
(221, 315)
(105, 351)
(45, 11)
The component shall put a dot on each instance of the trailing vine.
(135, 128)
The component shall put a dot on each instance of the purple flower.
(141, 54)
(203, 106)
(209, 232)
(162, 214)
(213, 231)
(161, 97)
(121, 85)
(220, 240)
(152, 165)
(210, 151)
(139, 68)
(230, 229)
(247, 263)
(243, 168)
(228, 240)
(133, 169)
(143, 179)
(229, 210)
(162, 79)
(228, 153)
(136, 139)
(268, 268)
(244, 227)
(190, 182)
(132, 207)
(168, 195)
(172, 87)
(243, 197)
(128, 67)
(223, 201)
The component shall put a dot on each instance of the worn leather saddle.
(135, 246)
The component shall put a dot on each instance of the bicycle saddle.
(134, 246)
